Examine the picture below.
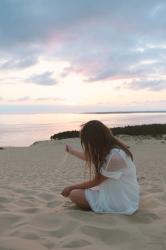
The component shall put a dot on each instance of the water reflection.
(23, 130)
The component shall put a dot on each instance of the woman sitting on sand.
(114, 187)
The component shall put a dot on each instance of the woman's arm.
(76, 153)
(92, 183)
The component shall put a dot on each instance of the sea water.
(24, 129)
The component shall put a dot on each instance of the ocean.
(24, 129)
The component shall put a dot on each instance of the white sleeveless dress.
(120, 192)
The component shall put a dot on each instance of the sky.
(82, 56)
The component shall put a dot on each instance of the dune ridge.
(34, 215)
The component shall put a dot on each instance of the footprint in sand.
(3, 208)
(108, 236)
(143, 218)
(30, 210)
(162, 197)
(29, 233)
(77, 243)
(54, 203)
(16, 243)
(5, 199)
(33, 201)
(25, 234)
(64, 229)
(20, 190)
(48, 244)
(8, 220)
(47, 196)
(46, 220)
(91, 218)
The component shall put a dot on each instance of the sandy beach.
(34, 215)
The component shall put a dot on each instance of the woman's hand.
(75, 153)
(66, 191)
(68, 149)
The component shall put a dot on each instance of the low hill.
(153, 130)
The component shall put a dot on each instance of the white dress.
(120, 192)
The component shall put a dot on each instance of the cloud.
(23, 99)
(45, 99)
(103, 40)
(154, 85)
(10, 80)
(19, 58)
(46, 108)
(19, 63)
(66, 71)
(42, 108)
(44, 79)
(154, 102)
(28, 99)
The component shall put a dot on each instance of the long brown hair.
(97, 141)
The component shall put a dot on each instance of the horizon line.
(116, 112)
(89, 112)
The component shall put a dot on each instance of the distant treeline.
(64, 135)
(152, 130)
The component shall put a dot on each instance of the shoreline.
(121, 136)
(125, 112)
(91, 112)
(157, 131)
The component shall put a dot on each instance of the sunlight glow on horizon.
(69, 57)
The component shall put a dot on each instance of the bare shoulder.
(117, 160)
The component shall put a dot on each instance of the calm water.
(23, 130)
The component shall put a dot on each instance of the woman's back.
(119, 193)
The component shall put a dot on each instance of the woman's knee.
(74, 195)
(77, 196)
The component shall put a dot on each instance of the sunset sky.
(82, 55)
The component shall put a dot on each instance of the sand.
(34, 215)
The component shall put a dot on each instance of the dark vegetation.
(64, 135)
(154, 130)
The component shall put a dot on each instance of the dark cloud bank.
(42, 79)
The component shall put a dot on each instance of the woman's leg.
(78, 197)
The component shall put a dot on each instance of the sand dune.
(33, 214)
